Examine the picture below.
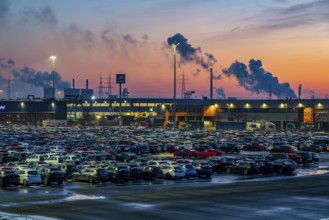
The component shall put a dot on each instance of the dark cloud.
(190, 54)
(129, 39)
(256, 80)
(45, 15)
(4, 9)
(108, 38)
(286, 17)
(76, 35)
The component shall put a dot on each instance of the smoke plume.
(190, 54)
(221, 93)
(33, 77)
(256, 80)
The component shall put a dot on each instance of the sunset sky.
(90, 38)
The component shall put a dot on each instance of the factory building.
(32, 111)
(208, 112)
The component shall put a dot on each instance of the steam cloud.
(191, 54)
(257, 80)
(33, 77)
(221, 93)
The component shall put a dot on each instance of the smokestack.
(73, 84)
(300, 91)
(211, 86)
(86, 83)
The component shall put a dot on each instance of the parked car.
(203, 168)
(210, 153)
(186, 153)
(244, 167)
(118, 173)
(8, 178)
(35, 158)
(135, 171)
(307, 157)
(284, 166)
(172, 172)
(29, 177)
(68, 170)
(151, 172)
(283, 149)
(230, 147)
(51, 175)
(221, 163)
(91, 175)
(189, 169)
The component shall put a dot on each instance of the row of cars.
(83, 154)
(150, 168)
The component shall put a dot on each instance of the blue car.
(190, 170)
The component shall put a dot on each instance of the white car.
(29, 177)
(171, 172)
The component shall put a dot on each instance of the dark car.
(284, 166)
(135, 171)
(68, 170)
(91, 175)
(221, 163)
(51, 175)
(313, 148)
(315, 157)
(230, 148)
(307, 157)
(142, 148)
(244, 167)
(254, 147)
(5, 156)
(203, 168)
(118, 173)
(276, 156)
(125, 157)
(151, 172)
(8, 178)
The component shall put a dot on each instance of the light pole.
(174, 108)
(53, 58)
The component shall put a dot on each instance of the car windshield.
(32, 172)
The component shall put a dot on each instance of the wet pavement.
(302, 195)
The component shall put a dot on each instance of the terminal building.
(229, 113)
(80, 106)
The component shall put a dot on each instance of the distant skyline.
(253, 46)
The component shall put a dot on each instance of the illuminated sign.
(121, 78)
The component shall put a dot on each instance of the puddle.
(139, 205)
(10, 216)
(82, 197)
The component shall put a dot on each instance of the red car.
(185, 153)
(295, 157)
(210, 153)
(283, 149)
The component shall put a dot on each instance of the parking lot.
(259, 179)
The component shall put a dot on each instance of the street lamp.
(53, 58)
(174, 108)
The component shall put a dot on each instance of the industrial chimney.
(211, 84)
(86, 83)
(300, 91)
(73, 84)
